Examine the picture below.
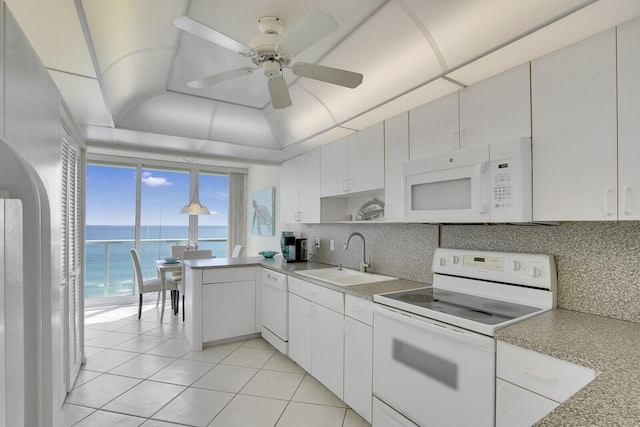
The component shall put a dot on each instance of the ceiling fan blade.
(313, 27)
(221, 77)
(279, 93)
(198, 29)
(334, 76)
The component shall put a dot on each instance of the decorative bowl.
(268, 254)
(171, 260)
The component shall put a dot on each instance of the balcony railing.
(109, 269)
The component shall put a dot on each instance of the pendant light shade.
(195, 207)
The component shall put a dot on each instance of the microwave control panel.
(502, 186)
(510, 181)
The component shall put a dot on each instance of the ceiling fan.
(272, 52)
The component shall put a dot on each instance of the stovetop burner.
(418, 298)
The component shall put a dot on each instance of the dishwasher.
(275, 309)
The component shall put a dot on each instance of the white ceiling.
(122, 68)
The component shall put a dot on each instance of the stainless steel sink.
(344, 277)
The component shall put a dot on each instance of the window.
(163, 192)
(213, 229)
(112, 201)
(110, 230)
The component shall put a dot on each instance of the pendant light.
(195, 207)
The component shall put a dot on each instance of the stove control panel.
(536, 270)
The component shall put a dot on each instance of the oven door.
(448, 188)
(432, 373)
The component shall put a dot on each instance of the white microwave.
(485, 184)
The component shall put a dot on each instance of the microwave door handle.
(481, 187)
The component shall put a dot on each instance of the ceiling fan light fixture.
(271, 69)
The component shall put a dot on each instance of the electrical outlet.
(331, 245)
(318, 242)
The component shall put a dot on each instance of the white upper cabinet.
(574, 132)
(628, 115)
(494, 110)
(354, 164)
(300, 187)
(434, 128)
(289, 187)
(334, 168)
(497, 109)
(396, 152)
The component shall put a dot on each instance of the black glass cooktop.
(484, 310)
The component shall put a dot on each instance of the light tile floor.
(142, 373)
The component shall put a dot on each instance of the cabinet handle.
(607, 190)
(310, 310)
(346, 185)
(455, 141)
(539, 375)
(356, 308)
(462, 133)
(625, 201)
(298, 216)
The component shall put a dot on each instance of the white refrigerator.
(25, 270)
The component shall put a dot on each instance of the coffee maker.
(295, 250)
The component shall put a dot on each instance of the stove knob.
(442, 262)
(515, 265)
(535, 272)
(456, 259)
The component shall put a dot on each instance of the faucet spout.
(363, 264)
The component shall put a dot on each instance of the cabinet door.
(434, 128)
(497, 109)
(229, 310)
(309, 189)
(333, 167)
(575, 132)
(300, 331)
(289, 186)
(327, 348)
(366, 159)
(628, 114)
(396, 152)
(517, 407)
(358, 366)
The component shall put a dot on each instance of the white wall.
(260, 177)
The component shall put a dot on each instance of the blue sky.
(111, 196)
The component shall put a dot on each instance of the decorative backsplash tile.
(598, 262)
(399, 250)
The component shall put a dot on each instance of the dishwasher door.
(433, 373)
(275, 309)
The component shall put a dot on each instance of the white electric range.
(434, 351)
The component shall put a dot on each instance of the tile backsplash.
(598, 262)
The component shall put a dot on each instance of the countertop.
(609, 346)
(277, 263)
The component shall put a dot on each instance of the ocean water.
(108, 265)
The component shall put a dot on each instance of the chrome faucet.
(363, 264)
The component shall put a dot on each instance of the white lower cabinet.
(518, 407)
(358, 355)
(529, 385)
(229, 310)
(316, 332)
(220, 304)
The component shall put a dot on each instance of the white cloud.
(154, 181)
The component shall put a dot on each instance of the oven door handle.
(470, 338)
